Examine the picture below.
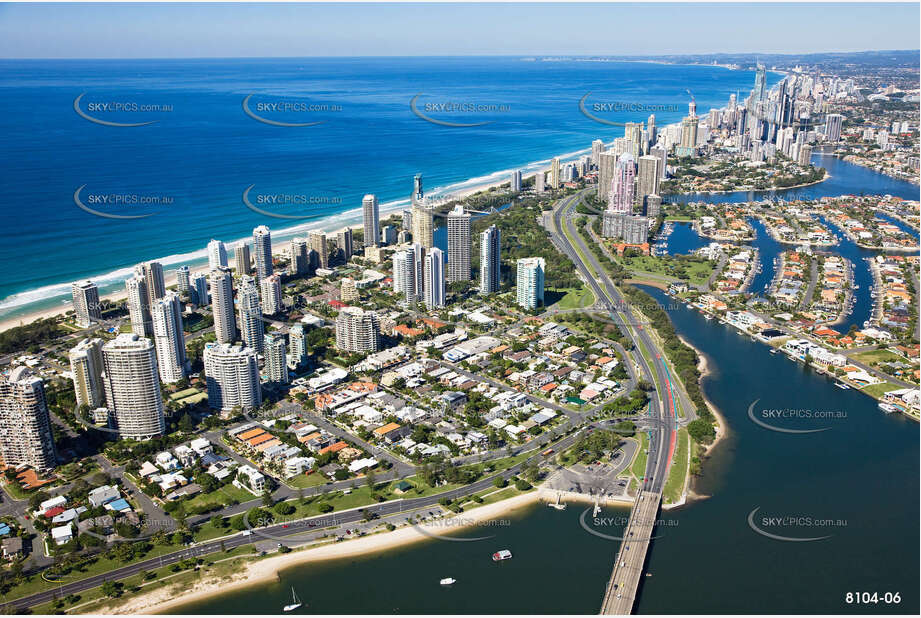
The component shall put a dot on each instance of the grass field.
(638, 467)
(697, 272)
(574, 298)
(677, 476)
(878, 390)
(877, 356)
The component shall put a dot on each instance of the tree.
(267, 500)
(111, 589)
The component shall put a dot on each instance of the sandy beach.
(170, 597)
(279, 248)
(722, 428)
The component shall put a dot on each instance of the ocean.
(186, 171)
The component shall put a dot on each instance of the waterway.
(855, 483)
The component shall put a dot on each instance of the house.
(220, 470)
(147, 469)
(119, 506)
(68, 516)
(12, 548)
(167, 462)
(453, 399)
(201, 446)
(101, 495)
(362, 464)
(51, 503)
(191, 489)
(297, 465)
(104, 523)
(62, 534)
(185, 455)
(251, 479)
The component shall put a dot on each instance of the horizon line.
(485, 55)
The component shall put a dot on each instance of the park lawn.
(15, 491)
(638, 467)
(677, 475)
(878, 390)
(575, 298)
(878, 356)
(221, 496)
(698, 272)
(303, 481)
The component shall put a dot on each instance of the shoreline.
(269, 569)
(722, 427)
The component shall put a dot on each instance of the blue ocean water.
(203, 151)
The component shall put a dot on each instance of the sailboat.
(296, 602)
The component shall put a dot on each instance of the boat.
(447, 581)
(773, 350)
(842, 385)
(888, 408)
(292, 606)
(502, 554)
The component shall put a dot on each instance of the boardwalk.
(625, 579)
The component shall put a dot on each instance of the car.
(247, 532)
(284, 525)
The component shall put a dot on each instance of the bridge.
(628, 569)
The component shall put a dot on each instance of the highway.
(662, 435)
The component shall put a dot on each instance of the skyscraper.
(299, 261)
(647, 178)
(132, 388)
(344, 242)
(515, 181)
(225, 329)
(623, 188)
(419, 253)
(490, 275)
(271, 294)
(139, 306)
(833, 123)
(86, 303)
(530, 280)
(217, 254)
(168, 338)
(404, 275)
(241, 260)
(250, 314)
(348, 293)
(539, 181)
(262, 245)
(633, 133)
(199, 285)
(318, 244)
(357, 330)
(423, 225)
(232, 375)
(276, 365)
(86, 367)
(25, 425)
(434, 277)
(554, 182)
(597, 149)
(661, 154)
(458, 245)
(371, 219)
(298, 340)
(607, 165)
(152, 273)
(183, 279)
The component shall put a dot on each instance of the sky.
(299, 30)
